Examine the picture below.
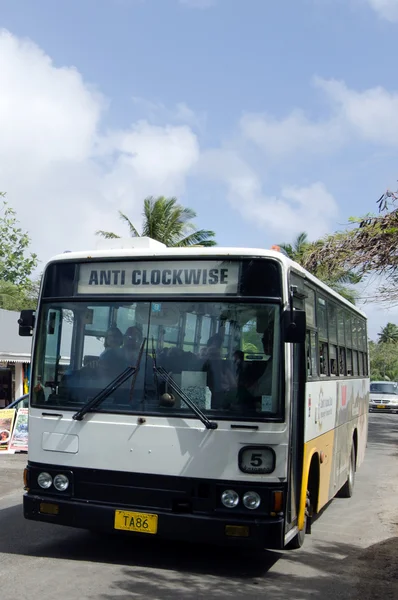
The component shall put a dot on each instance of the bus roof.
(148, 248)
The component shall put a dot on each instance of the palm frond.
(168, 222)
(198, 238)
(133, 230)
(108, 235)
(288, 248)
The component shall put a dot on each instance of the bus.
(214, 395)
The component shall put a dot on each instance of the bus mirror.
(26, 322)
(294, 326)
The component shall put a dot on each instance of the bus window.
(310, 307)
(355, 332)
(340, 327)
(360, 363)
(360, 334)
(323, 358)
(333, 359)
(308, 353)
(170, 331)
(348, 330)
(322, 319)
(342, 363)
(314, 354)
(332, 322)
(355, 362)
(190, 328)
(349, 362)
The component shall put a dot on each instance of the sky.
(267, 118)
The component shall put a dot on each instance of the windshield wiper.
(111, 387)
(165, 376)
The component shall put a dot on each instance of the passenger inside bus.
(220, 376)
(113, 341)
(255, 379)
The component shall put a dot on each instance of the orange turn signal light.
(278, 502)
(25, 479)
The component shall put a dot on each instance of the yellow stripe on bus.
(322, 447)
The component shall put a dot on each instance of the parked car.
(383, 396)
(22, 402)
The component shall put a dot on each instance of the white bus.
(215, 395)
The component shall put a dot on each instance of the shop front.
(15, 353)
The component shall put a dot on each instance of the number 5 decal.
(256, 460)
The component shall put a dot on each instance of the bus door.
(297, 375)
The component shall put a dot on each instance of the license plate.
(135, 521)
(380, 406)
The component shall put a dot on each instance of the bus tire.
(348, 488)
(298, 540)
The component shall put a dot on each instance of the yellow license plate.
(380, 406)
(135, 521)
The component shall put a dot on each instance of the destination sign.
(160, 277)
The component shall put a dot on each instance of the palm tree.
(339, 281)
(299, 247)
(388, 334)
(168, 222)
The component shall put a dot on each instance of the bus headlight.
(44, 480)
(251, 500)
(230, 498)
(61, 483)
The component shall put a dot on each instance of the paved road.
(348, 555)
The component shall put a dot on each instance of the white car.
(383, 396)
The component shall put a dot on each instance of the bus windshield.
(223, 355)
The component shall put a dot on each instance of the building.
(15, 356)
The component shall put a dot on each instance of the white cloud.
(64, 177)
(310, 208)
(181, 113)
(370, 115)
(150, 160)
(291, 134)
(44, 108)
(386, 9)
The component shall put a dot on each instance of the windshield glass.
(223, 355)
(384, 388)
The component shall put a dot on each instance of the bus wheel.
(348, 488)
(298, 539)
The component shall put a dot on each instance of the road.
(351, 552)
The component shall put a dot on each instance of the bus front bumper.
(257, 534)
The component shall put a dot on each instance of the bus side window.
(333, 359)
(355, 362)
(314, 357)
(311, 354)
(308, 353)
(342, 363)
(323, 358)
(349, 362)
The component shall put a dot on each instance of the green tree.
(368, 246)
(383, 361)
(339, 279)
(298, 248)
(16, 262)
(388, 334)
(19, 297)
(168, 222)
